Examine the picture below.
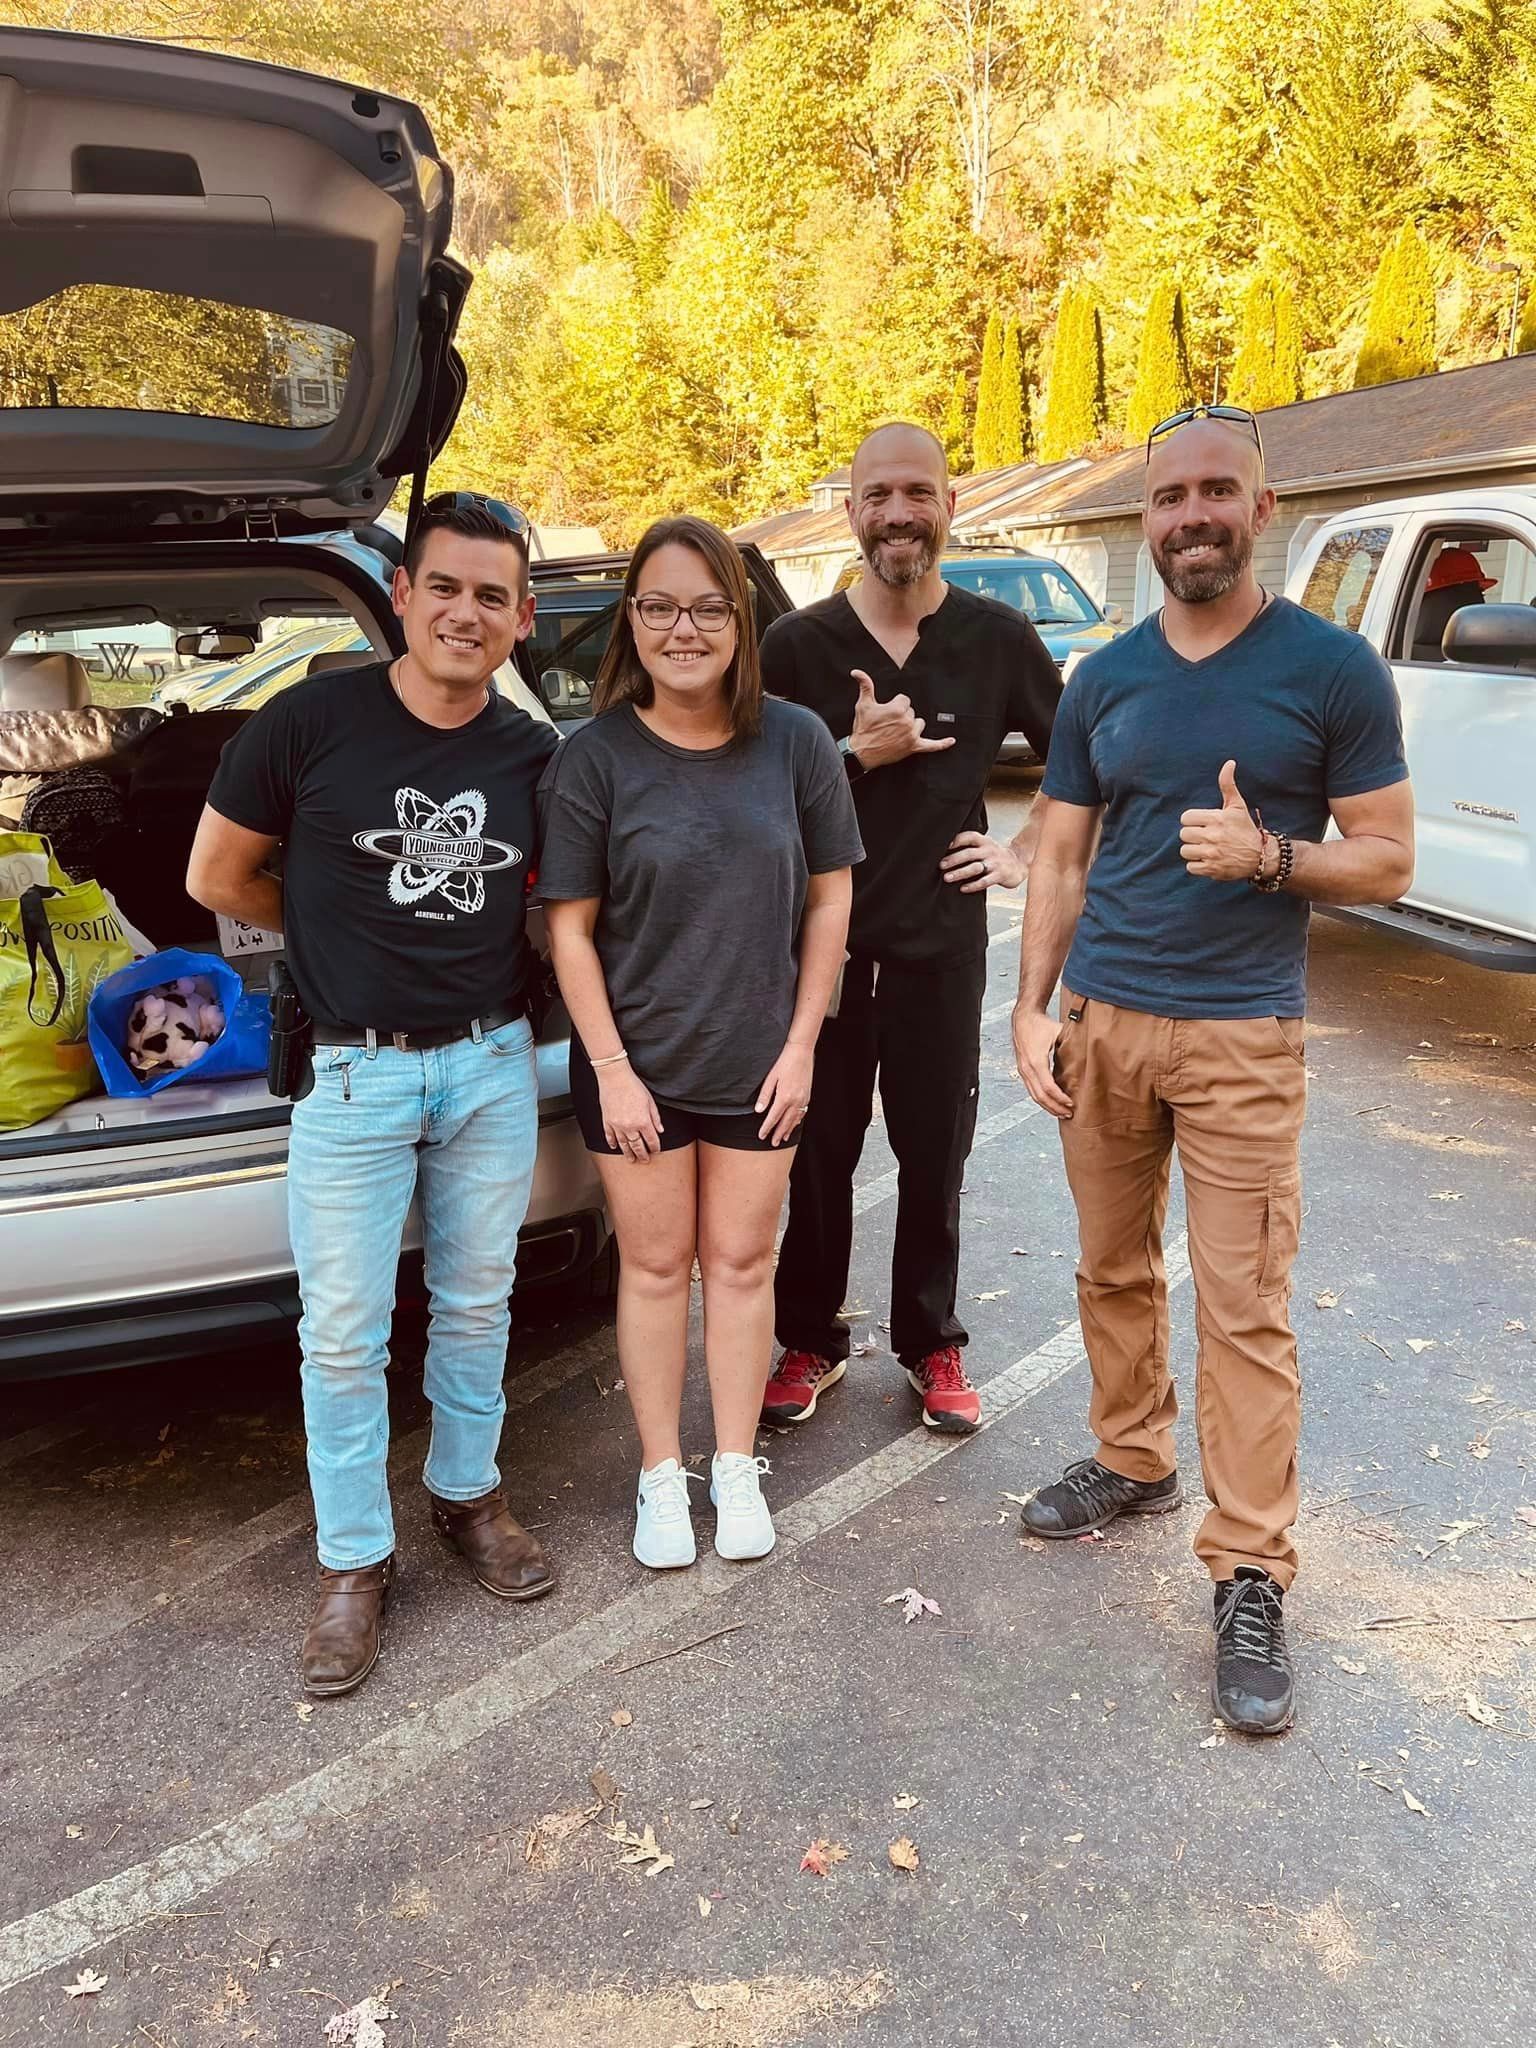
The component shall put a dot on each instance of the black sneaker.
(1254, 1689)
(1088, 1494)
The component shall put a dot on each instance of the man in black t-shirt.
(403, 794)
(920, 682)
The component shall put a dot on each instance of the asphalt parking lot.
(586, 1820)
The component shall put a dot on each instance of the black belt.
(421, 1041)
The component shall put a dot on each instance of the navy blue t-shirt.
(1307, 711)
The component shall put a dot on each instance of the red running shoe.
(799, 1380)
(950, 1402)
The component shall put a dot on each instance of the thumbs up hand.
(1224, 845)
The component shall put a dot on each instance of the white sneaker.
(663, 1527)
(743, 1526)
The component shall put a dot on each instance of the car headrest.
(43, 682)
(345, 657)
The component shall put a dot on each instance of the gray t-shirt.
(701, 860)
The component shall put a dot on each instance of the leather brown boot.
(341, 1644)
(502, 1555)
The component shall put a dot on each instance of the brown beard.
(1212, 579)
(914, 568)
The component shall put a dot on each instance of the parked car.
(288, 350)
(1444, 586)
(578, 597)
(1049, 596)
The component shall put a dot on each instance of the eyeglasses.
(1234, 415)
(509, 516)
(708, 615)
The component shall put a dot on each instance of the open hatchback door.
(226, 299)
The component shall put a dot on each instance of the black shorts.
(737, 1132)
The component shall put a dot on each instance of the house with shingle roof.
(1455, 430)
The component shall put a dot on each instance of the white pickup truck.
(1445, 587)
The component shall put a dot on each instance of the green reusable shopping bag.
(58, 941)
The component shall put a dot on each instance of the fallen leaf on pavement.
(705, 1908)
(74, 1833)
(996, 1294)
(1446, 1195)
(1327, 1299)
(1514, 1323)
(821, 1856)
(360, 2024)
(720, 1997)
(1071, 1838)
(604, 1785)
(1019, 1252)
(1020, 1500)
(1479, 1711)
(1214, 1741)
(1418, 1344)
(1348, 1664)
(700, 1805)
(1433, 1452)
(905, 1801)
(1480, 1445)
(903, 1854)
(642, 1848)
(913, 1603)
(621, 1717)
(304, 1710)
(86, 1985)
(1413, 1804)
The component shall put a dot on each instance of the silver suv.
(226, 320)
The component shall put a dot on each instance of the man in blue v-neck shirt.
(1206, 751)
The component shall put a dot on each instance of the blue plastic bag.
(240, 1048)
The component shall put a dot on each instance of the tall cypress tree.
(1253, 366)
(984, 440)
(1164, 383)
(1266, 370)
(1012, 405)
(1400, 326)
(1074, 404)
(1286, 388)
(954, 432)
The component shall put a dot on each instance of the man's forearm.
(257, 901)
(1364, 869)
(1050, 919)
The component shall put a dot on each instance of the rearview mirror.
(215, 644)
(1492, 636)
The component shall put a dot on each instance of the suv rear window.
(128, 350)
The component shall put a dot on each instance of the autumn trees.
(718, 239)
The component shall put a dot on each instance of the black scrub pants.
(919, 1029)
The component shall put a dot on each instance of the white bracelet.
(612, 1060)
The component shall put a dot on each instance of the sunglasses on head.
(1234, 415)
(509, 516)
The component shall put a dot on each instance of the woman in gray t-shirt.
(698, 842)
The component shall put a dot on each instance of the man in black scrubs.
(920, 682)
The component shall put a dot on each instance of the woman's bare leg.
(653, 1204)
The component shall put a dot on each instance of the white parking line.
(169, 1882)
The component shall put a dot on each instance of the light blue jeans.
(459, 1125)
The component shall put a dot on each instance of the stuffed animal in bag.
(172, 1026)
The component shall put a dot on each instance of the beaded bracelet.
(1286, 862)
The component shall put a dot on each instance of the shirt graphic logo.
(439, 849)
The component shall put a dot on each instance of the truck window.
(1342, 575)
(1455, 567)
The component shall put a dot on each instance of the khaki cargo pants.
(1231, 1094)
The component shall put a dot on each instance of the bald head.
(900, 504)
(900, 441)
(1205, 448)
